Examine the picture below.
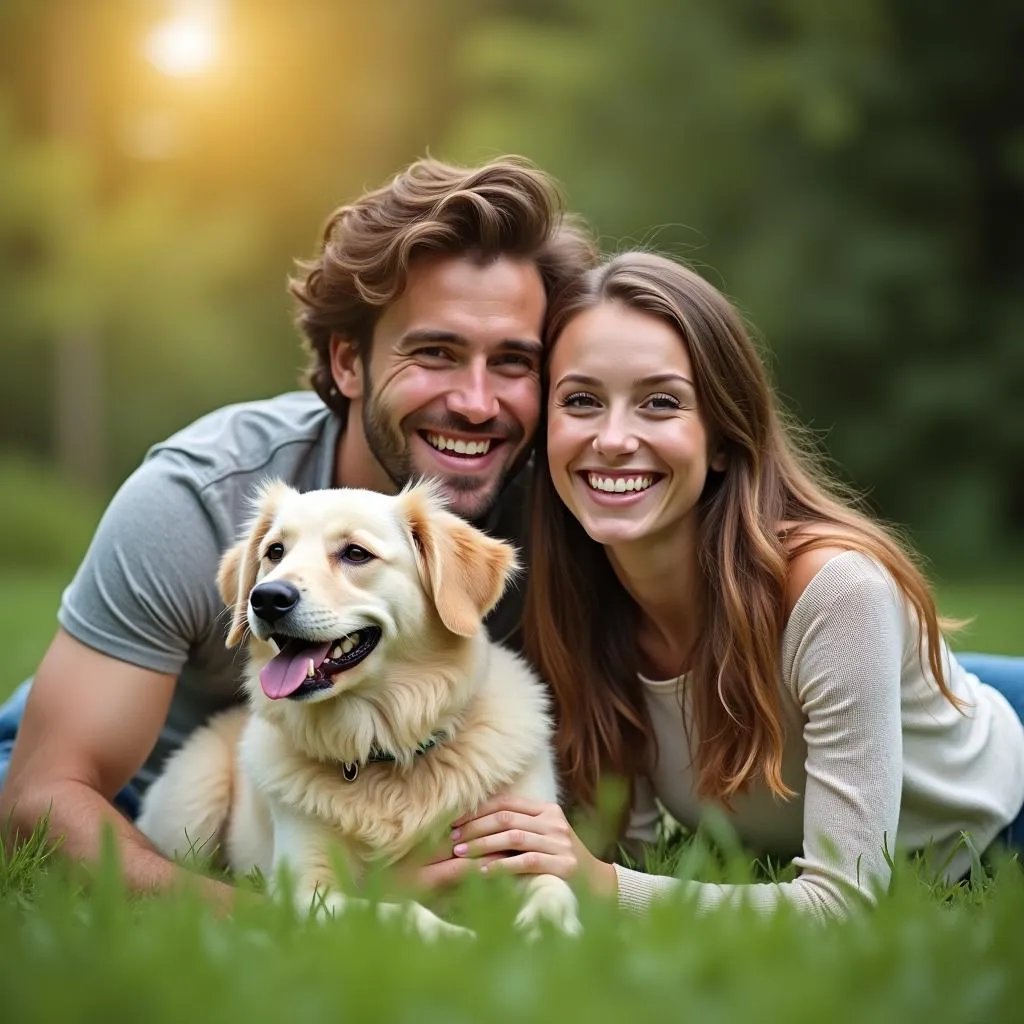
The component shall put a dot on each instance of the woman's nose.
(614, 438)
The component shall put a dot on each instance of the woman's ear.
(463, 569)
(347, 369)
(719, 456)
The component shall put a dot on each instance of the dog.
(378, 709)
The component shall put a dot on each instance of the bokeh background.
(851, 174)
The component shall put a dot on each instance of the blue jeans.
(1005, 674)
(11, 712)
(1002, 673)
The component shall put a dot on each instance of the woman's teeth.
(618, 484)
(450, 444)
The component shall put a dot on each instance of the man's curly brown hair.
(505, 208)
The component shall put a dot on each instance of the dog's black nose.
(272, 600)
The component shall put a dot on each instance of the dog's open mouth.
(303, 667)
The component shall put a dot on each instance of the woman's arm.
(843, 664)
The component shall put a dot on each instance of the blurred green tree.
(852, 174)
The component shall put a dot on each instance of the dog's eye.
(355, 554)
(275, 552)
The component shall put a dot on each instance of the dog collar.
(350, 769)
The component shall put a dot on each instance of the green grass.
(28, 620)
(997, 609)
(77, 948)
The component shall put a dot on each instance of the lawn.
(28, 618)
(77, 951)
(80, 949)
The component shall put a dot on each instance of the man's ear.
(239, 565)
(346, 366)
(463, 569)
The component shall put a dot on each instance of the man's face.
(452, 386)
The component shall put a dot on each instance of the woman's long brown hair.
(580, 623)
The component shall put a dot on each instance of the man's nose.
(472, 395)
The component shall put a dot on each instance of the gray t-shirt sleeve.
(146, 591)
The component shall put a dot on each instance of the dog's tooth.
(311, 671)
(347, 645)
(336, 653)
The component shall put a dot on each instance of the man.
(424, 315)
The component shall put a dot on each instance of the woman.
(718, 626)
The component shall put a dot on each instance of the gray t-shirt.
(146, 591)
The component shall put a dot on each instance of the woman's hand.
(439, 869)
(535, 838)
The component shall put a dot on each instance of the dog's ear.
(236, 575)
(463, 569)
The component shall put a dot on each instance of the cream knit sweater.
(877, 756)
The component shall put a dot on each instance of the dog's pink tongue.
(290, 669)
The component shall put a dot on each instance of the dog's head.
(330, 582)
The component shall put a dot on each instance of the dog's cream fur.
(266, 783)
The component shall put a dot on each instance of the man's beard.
(390, 447)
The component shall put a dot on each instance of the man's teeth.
(346, 645)
(618, 484)
(450, 444)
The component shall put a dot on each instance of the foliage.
(853, 187)
(850, 174)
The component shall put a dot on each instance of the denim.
(1005, 674)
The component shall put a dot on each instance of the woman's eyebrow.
(580, 378)
(662, 378)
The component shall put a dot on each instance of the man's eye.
(355, 554)
(275, 553)
(518, 363)
(432, 352)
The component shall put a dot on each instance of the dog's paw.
(425, 923)
(542, 910)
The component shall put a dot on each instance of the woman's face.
(627, 447)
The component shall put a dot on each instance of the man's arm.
(90, 722)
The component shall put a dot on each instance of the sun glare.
(181, 47)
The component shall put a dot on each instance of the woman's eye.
(578, 400)
(275, 552)
(355, 554)
(660, 403)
